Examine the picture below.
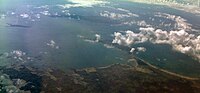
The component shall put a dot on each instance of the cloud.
(2, 16)
(45, 13)
(98, 37)
(53, 44)
(18, 53)
(124, 10)
(83, 3)
(18, 56)
(132, 50)
(171, 21)
(24, 15)
(180, 23)
(141, 49)
(108, 46)
(130, 37)
(37, 16)
(43, 7)
(180, 40)
(116, 16)
(186, 49)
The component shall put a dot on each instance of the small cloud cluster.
(141, 23)
(128, 38)
(181, 23)
(17, 55)
(43, 7)
(116, 16)
(45, 13)
(177, 22)
(139, 49)
(52, 44)
(24, 15)
(180, 40)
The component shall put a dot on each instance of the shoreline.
(194, 9)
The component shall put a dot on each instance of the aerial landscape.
(99, 46)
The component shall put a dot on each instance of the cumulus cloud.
(180, 40)
(53, 44)
(129, 37)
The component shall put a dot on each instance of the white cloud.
(53, 44)
(43, 7)
(45, 13)
(162, 36)
(37, 16)
(115, 16)
(130, 37)
(186, 49)
(83, 3)
(108, 46)
(180, 40)
(132, 50)
(24, 15)
(12, 13)
(98, 37)
(127, 39)
(18, 53)
(141, 49)
(147, 29)
(3, 16)
(124, 10)
(180, 23)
